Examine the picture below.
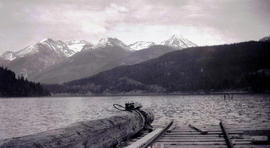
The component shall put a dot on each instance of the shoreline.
(143, 94)
(155, 94)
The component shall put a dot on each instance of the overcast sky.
(204, 22)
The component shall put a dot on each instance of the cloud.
(204, 22)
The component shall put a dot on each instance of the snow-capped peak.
(111, 42)
(58, 47)
(46, 40)
(178, 41)
(140, 45)
(31, 49)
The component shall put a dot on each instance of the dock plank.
(193, 143)
(185, 137)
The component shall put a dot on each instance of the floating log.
(107, 132)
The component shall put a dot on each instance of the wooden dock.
(210, 136)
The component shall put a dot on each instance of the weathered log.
(96, 133)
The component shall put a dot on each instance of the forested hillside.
(10, 86)
(241, 66)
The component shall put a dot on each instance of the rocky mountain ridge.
(55, 61)
(72, 47)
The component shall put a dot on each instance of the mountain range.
(113, 67)
(241, 66)
(55, 61)
(37, 57)
(85, 63)
(67, 48)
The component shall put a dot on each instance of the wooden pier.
(210, 136)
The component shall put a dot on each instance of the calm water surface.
(22, 116)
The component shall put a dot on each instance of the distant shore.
(145, 94)
(155, 94)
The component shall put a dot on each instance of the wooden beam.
(226, 135)
(150, 138)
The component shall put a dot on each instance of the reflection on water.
(22, 116)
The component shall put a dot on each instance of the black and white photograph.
(134, 73)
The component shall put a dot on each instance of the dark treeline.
(10, 86)
(241, 66)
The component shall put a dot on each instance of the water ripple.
(22, 116)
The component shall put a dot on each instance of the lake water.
(22, 116)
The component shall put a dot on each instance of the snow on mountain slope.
(8, 55)
(67, 48)
(37, 57)
(178, 42)
(58, 47)
(26, 51)
(174, 41)
(140, 45)
(104, 42)
(77, 45)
